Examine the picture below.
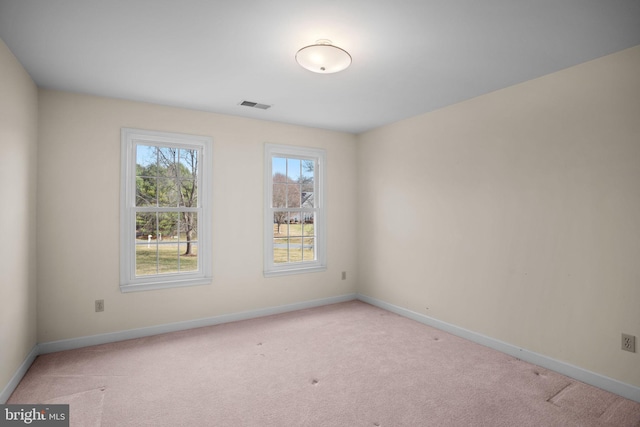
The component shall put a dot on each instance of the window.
(165, 210)
(294, 210)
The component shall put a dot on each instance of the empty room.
(291, 213)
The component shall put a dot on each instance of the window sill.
(150, 286)
(294, 270)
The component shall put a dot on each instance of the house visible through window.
(165, 211)
(294, 211)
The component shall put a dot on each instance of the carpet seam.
(550, 400)
(101, 388)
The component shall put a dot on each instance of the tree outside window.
(165, 210)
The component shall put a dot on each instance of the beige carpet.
(348, 364)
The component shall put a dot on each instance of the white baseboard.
(17, 377)
(70, 344)
(622, 389)
(614, 386)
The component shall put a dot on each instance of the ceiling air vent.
(255, 105)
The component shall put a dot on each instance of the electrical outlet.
(629, 343)
(344, 275)
(99, 305)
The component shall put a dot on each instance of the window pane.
(306, 199)
(307, 183)
(146, 157)
(146, 191)
(293, 170)
(279, 196)
(167, 226)
(308, 170)
(280, 224)
(308, 227)
(293, 195)
(188, 195)
(167, 159)
(188, 174)
(145, 226)
(295, 228)
(146, 172)
(188, 163)
(279, 167)
(168, 257)
(146, 258)
(188, 262)
(188, 227)
(295, 251)
(308, 249)
(280, 251)
(167, 192)
(146, 243)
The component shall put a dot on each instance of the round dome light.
(323, 57)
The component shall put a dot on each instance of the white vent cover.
(255, 105)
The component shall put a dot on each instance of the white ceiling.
(409, 56)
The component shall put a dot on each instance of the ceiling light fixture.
(323, 57)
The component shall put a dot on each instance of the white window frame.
(320, 263)
(130, 139)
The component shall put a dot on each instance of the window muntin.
(294, 218)
(165, 236)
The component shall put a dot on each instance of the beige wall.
(516, 214)
(18, 142)
(78, 214)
